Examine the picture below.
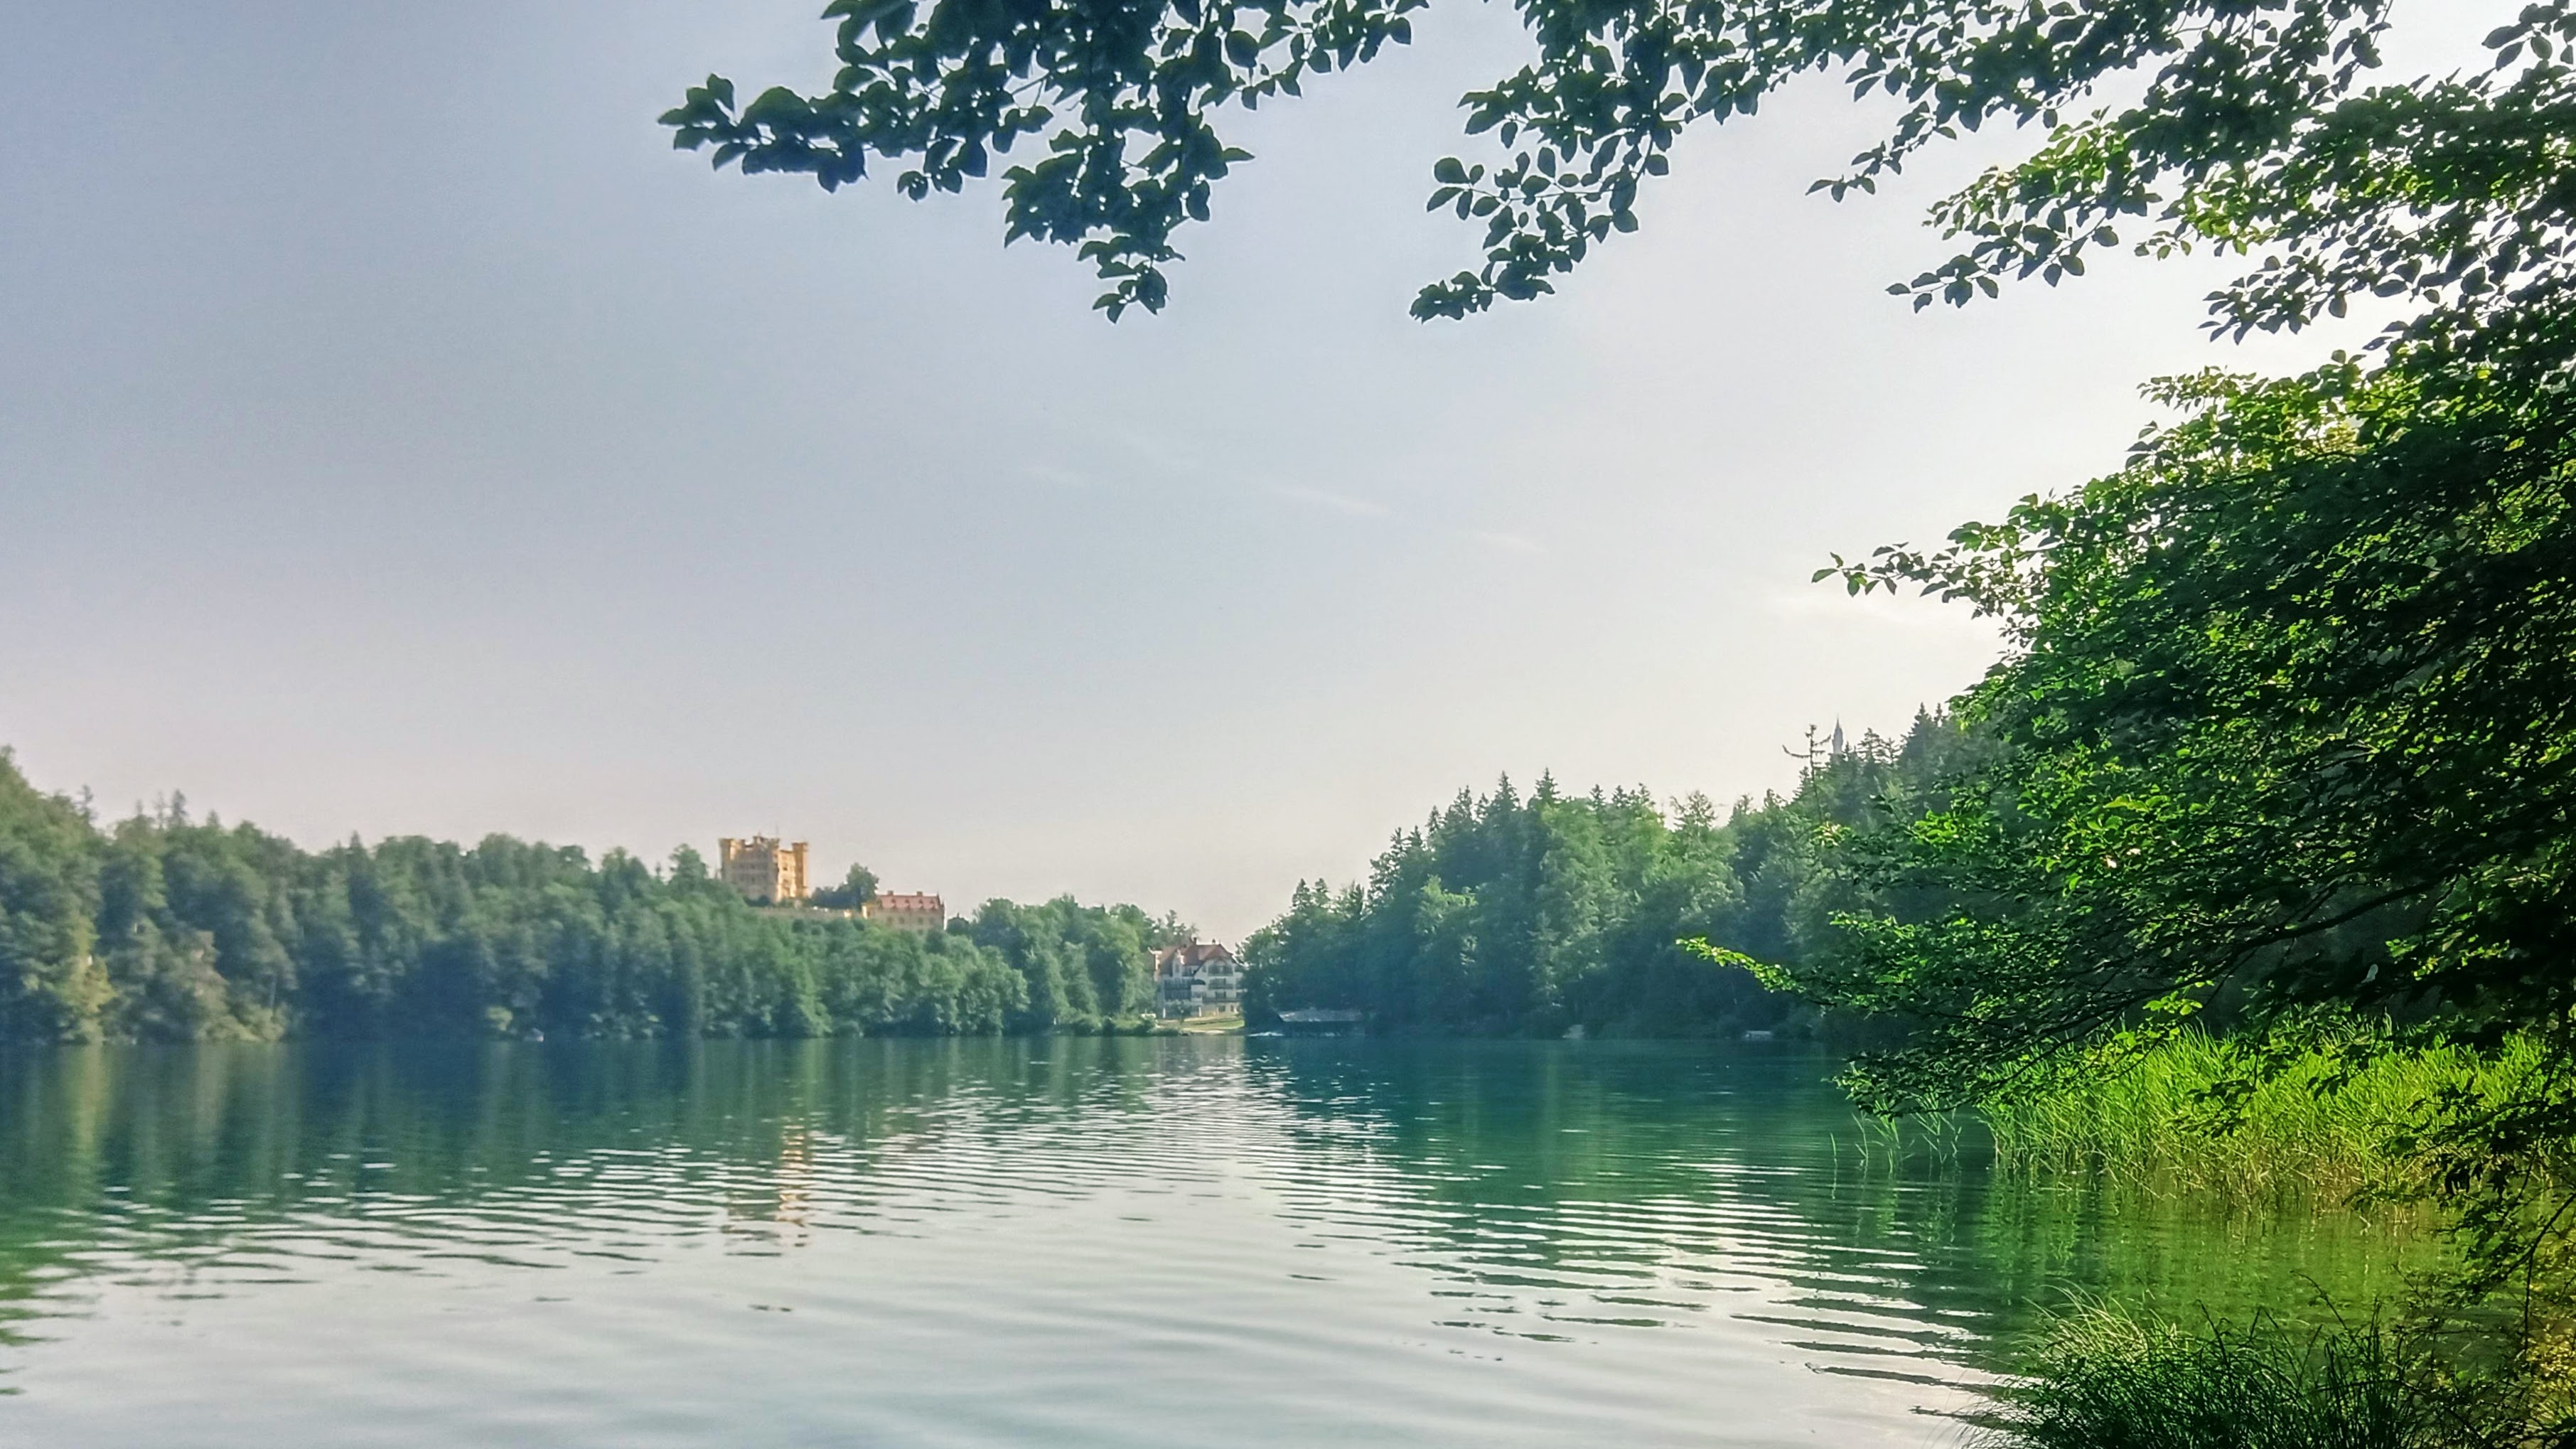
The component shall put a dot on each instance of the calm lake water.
(1057, 1242)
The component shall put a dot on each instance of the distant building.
(1197, 978)
(767, 871)
(922, 915)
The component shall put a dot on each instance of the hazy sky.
(396, 436)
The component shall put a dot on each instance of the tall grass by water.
(2109, 1382)
(2190, 1114)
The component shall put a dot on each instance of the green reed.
(2193, 1114)
(2104, 1381)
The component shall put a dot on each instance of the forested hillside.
(164, 928)
(1532, 915)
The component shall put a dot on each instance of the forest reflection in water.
(1058, 1240)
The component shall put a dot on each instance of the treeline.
(1506, 914)
(163, 928)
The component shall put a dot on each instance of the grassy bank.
(2205, 1122)
(2192, 1115)
(2108, 1382)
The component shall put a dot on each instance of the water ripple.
(1005, 1243)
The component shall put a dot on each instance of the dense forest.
(1534, 915)
(164, 928)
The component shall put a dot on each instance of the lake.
(1058, 1242)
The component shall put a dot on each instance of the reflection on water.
(1062, 1242)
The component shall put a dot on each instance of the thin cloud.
(1060, 477)
(1337, 502)
(1507, 542)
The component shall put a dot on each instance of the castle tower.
(766, 870)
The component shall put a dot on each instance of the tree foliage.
(165, 928)
(1085, 965)
(856, 889)
(1505, 914)
(2256, 128)
(2290, 735)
